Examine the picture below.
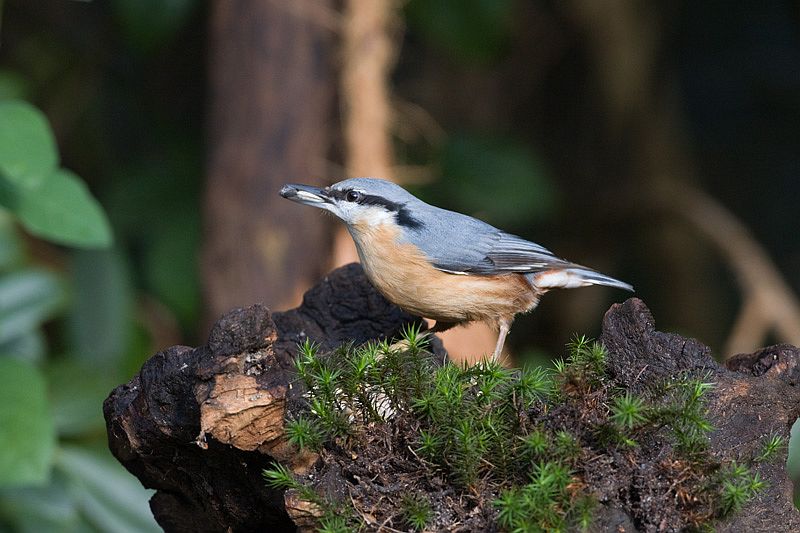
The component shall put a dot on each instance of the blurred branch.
(625, 42)
(769, 302)
(750, 327)
(413, 122)
(368, 55)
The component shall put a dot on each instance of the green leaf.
(27, 298)
(9, 193)
(11, 254)
(62, 209)
(26, 427)
(793, 459)
(102, 309)
(112, 499)
(37, 509)
(30, 346)
(28, 151)
(76, 391)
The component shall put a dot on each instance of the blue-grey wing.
(461, 244)
(515, 254)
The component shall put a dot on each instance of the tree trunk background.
(271, 100)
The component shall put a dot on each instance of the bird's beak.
(305, 194)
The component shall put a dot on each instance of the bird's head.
(359, 201)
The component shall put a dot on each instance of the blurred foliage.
(470, 30)
(88, 491)
(793, 462)
(499, 179)
(48, 201)
(26, 425)
(47, 484)
(148, 24)
(155, 207)
(12, 85)
(71, 328)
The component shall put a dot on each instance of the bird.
(440, 264)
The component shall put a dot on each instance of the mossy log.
(199, 425)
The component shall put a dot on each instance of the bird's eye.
(353, 196)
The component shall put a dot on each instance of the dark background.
(589, 127)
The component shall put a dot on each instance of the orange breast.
(402, 273)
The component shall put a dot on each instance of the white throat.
(373, 216)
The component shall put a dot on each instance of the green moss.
(416, 511)
(521, 436)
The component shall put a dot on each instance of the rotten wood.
(200, 424)
(746, 405)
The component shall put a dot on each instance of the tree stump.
(199, 425)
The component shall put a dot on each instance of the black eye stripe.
(404, 216)
(370, 199)
(364, 199)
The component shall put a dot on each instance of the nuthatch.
(440, 264)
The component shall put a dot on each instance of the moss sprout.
(522, 436)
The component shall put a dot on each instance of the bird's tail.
(574, 276)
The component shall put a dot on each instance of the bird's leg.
(505, 326)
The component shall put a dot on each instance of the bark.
(747, 404)
(271, 94)
(200, 424)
